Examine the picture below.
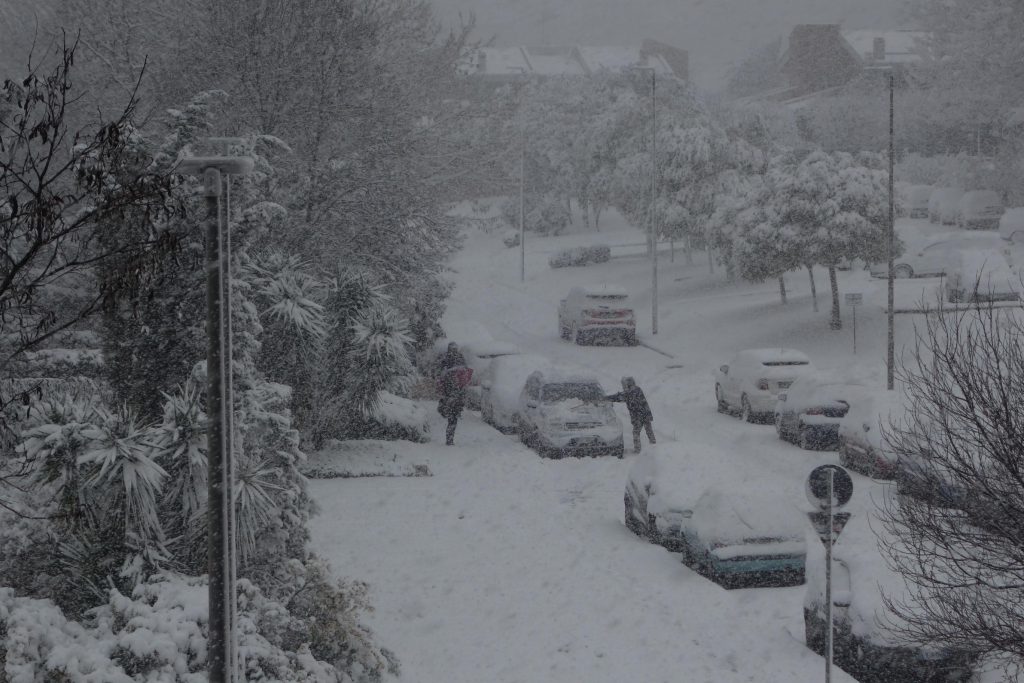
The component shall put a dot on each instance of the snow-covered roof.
(555, 374)
(561, 60)
(618, 59)
(605, 290)
(900, 46)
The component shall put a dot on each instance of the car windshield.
(607, 297)
(564, 391)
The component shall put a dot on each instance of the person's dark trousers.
(637, 427)
(450, 431)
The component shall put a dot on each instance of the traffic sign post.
(853, 300)
(828, 487)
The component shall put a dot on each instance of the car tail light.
(815, 411)
(762, 384)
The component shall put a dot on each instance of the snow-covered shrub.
(158, 632)
(545, 214)
(400, 418)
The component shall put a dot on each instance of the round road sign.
(817, 486)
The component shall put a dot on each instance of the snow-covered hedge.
(159, 633)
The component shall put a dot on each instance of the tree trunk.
(711, 260)
(814, 289)
(585, 209)
(671, 250)
(836, 323)
(782, 287)
(689, 251)
(597, 219)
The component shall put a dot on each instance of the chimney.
(878, 54)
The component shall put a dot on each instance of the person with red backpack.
(452, 387)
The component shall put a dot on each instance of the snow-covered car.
(915, 201)
(932, 257)
(979, 210)
(752, 380)
(1011, 225)
(978, 275)
(808, 413)
(942, 205)
(511, 238)
(862, 443)
(501, 383)
(564, 412)
(864, 644)
(750, 535)
(588, 313)
(478, 355)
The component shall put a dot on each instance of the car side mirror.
(486, 384)
(724, 369)
(531, 404)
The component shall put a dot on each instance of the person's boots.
(450, 435)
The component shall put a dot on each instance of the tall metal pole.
(522, 190)
(654, 212)
(218, 559)
(229, 434)
(891, 237)
(828, 581)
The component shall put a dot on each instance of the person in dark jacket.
(639, 411)
(452, 389)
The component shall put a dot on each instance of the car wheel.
(631, 339)
(652, 529)
(844, 456)
(814, 638)
(574, 334)
(620, 452)
(723, 407)
(903, 271)
(745, 411)
(563, 331)
(778, 427)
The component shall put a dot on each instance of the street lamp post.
(890, 238)
(222, 657)
(654, 199)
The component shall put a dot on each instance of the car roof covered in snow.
(605, 290)
(779, 355)
(974, 263)
(733, 514)
(559, 374)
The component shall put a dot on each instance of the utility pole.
(654, 207)
(890, 240)
(522, 209)
(222, 655)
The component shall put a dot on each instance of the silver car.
(565, 413)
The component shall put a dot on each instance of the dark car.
(809, 412)
(871, 652)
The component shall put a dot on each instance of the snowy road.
(506, 567)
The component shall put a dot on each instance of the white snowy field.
(505, 567)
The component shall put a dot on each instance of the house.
(500, 65)
(818, 59)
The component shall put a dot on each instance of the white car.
(478, 355)
(564, 412)
(1011, 225)
(862, 443)
(979, 210)
(864, 643)
(915, 201)
(752, 380)
(598, 310)
(942, 205)
(980, 275)
(933, 257)
(809, 412)
(501, 383)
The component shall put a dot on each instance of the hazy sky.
(716, 33)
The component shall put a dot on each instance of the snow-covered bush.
(545, 214)
(158, 632)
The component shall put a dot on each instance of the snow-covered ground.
(505, 567)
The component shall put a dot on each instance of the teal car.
(748, 538)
